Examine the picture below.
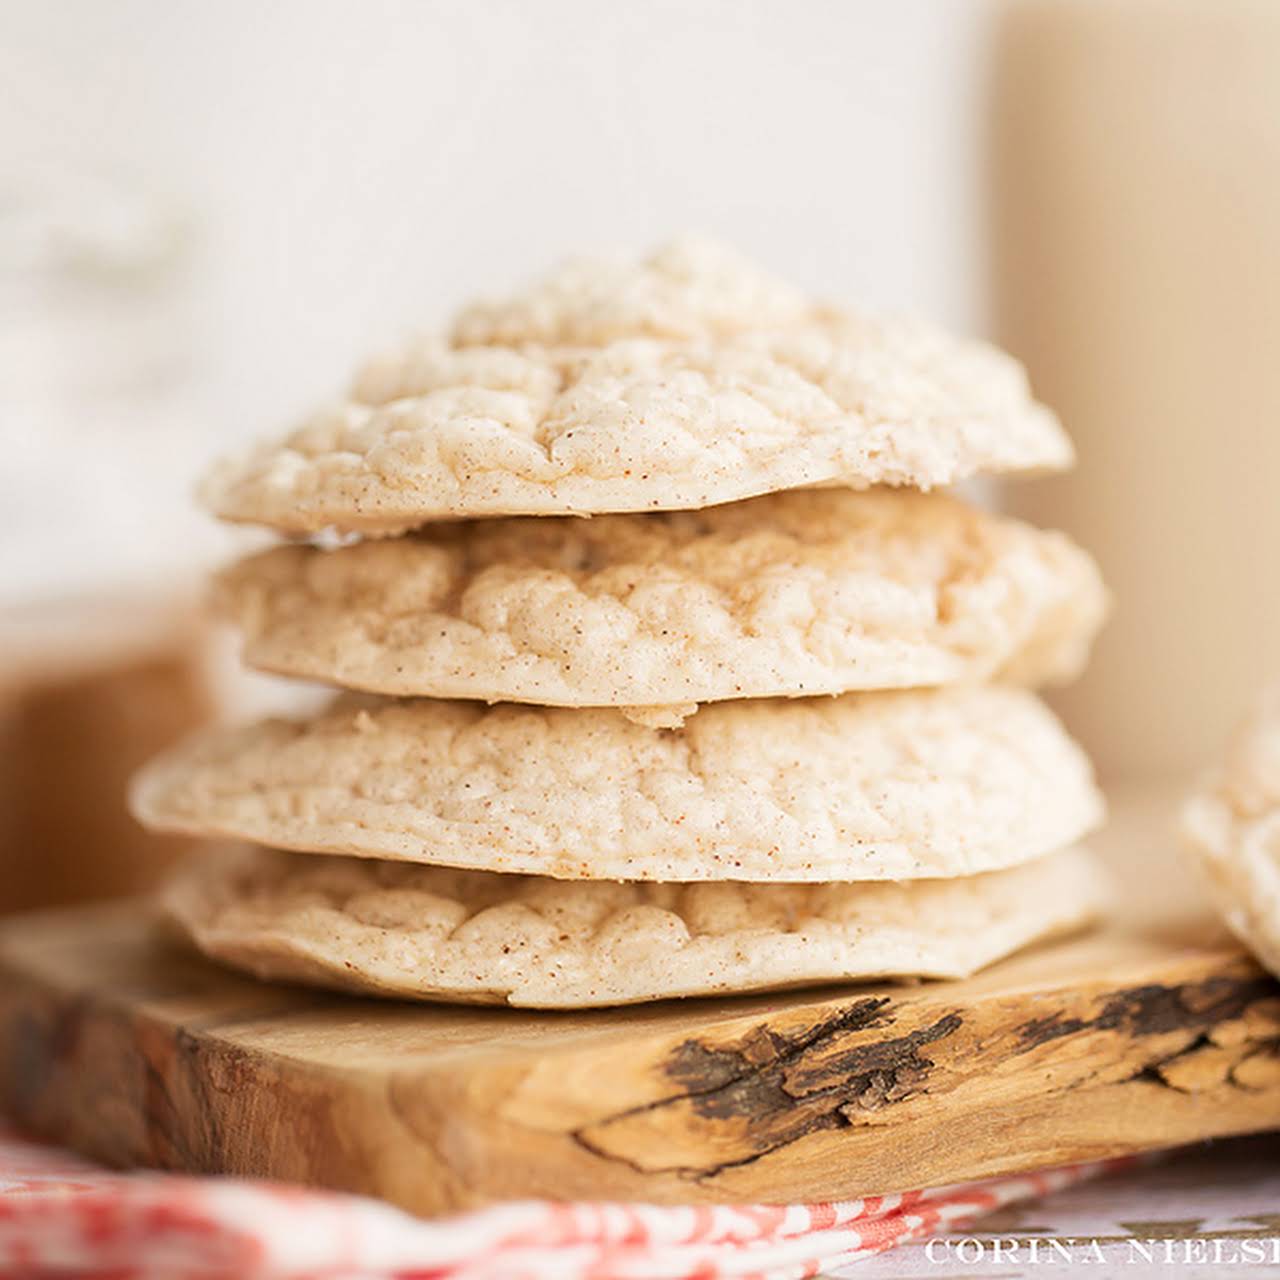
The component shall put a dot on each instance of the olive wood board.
(1154, 1030)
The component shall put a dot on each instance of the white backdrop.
(358, 167)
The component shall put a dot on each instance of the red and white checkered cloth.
(63, 1216)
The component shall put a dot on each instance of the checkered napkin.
(63, 1216)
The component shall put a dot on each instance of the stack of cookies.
(762, 721)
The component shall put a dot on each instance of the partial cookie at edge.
(1232, 825)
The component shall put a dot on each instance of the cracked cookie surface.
(899, 785)
(791, 594)
(472, 936)
(681, 381)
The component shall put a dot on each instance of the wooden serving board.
(1154, 1031)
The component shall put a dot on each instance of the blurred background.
(208, 213)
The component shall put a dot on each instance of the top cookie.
(682, 381)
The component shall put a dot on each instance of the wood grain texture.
(1156, 1031)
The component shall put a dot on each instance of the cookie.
(872, 786)
(682, 381)
(1232, 826)
(790, 594)
(429, 932)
